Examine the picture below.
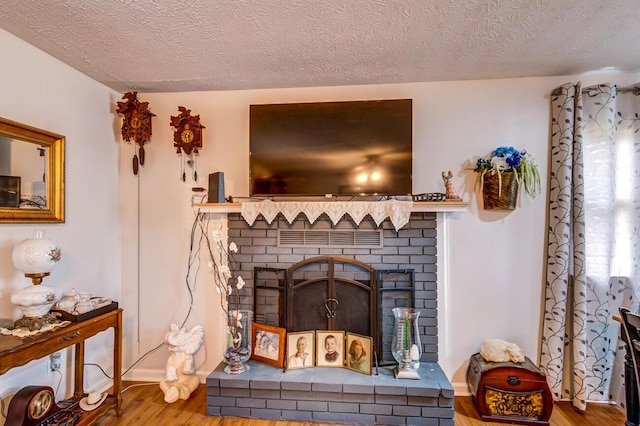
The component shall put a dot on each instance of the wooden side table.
(15, 352)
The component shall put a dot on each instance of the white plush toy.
(497, 350)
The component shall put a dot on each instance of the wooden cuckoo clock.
(187, 138)
(136, 125)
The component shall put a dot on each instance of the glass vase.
(237, 346)
(405, 344)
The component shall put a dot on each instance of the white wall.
(494, 260)
(492, 270)
(40, 91)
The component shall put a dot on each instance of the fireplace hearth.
(332, 395)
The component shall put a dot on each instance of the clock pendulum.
(187, 138)
(136, 125)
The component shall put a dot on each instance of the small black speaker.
(216, 188)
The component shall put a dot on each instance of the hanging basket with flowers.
(502, 173)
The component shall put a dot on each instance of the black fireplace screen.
(331, 293)
(334, 293)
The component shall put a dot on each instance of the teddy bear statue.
(180, 379)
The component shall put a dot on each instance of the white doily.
(398, 212)
(23, 332)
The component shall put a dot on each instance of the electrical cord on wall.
(132, 385)
(193, 258)
(59, 381)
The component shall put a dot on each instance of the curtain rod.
(635, 89)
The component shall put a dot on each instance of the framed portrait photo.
(358, 353)
(330, 348)
(300, 349)
(267, 344)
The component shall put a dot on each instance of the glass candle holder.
(405, 344)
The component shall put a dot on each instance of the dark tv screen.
(338, 148)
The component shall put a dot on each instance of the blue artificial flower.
(508, 155)
(482, 164)
(504, 151)
(513, 160)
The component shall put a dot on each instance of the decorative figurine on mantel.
(180, 380)
(450, 191)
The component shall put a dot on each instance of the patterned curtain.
(593, 252)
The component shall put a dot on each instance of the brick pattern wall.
(332, 395)
(412, 247)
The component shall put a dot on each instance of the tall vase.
(237, 348)
(405, 344)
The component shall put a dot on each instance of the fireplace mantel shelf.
(418, 207)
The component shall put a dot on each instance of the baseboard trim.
(155, 375)
(461, 389)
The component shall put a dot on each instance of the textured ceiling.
(187, 45)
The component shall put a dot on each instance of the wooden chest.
(509, 392)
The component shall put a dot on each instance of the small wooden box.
(509, 392)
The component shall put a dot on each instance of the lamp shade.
(36, 255)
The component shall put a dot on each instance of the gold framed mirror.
(31, 174)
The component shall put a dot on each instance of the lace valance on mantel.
(397, 211)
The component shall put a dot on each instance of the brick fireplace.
(411, 249)
(406, 262)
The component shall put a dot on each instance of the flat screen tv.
(337, 148)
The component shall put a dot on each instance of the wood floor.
(144, 405)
